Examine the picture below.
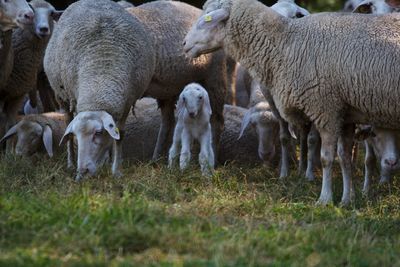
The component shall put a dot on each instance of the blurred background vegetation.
(311, 5)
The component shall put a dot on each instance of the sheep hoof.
(345, 203)
(324, 201)
(310, 176)
(78, 177)
(117, 174)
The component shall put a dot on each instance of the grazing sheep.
(307, 63)
(16, 13)
(377, 7)
(125, 4)
(38, 133)
(382, 145)
(141, 135)
(29, 47)
(194, 112)
(99, 61)
(167, 23)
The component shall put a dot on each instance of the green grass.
(242, 216)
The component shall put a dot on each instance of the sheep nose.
(184, 42)
(265, 156)
(391, 161)
(192, 114)
(43, 30)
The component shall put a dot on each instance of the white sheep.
(99, 61)
(313, 83)
(16, 13)
(29, 46)
(38, 133)
(194, 112)
(350, 5)
(382, 145)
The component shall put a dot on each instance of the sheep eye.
(184, 99)
(200, 97)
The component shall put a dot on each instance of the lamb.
(38, 133)
(99, 61)
(194, 112)
(313, 83)
(142, 128)
(29, 46)
(382, 145)
(167, 22)
(16, 13)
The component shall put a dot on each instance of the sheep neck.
(254, 35)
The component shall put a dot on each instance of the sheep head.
(377, 7)
(15, 13)
(95, 132)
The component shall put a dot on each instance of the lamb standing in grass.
(99, 61)
(194, 112)
(307, 63)
(38, 133)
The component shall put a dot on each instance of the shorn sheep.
(99, 61)
(194, 112)
(167, 23)
(330, 68)
(38, 133)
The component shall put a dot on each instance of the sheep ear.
(364, 9)
(110, 125)
(393, 3)
(180, 106)
(48, 140)
(56, 14)
(210, 20)
(10, 132)
(245, 122)
(301, 12)
(68, 132)
(207, 105)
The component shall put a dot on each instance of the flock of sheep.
(325, 79)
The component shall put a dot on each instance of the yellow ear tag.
(117, 130)
(207, 18)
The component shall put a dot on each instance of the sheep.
(167, 22)
(382, 145)
(141, 135)
(377, 7)
(16, 13)
(194, 112)
(314, 83)
(393, 3)
(29, 46)
(99, 61)
(38, 133)
(125, 4)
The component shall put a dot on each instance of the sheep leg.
(70, 144)
(174, 150)
(303, 150)
(313, 143)
(328, 147)
(369, 166)
(344, 151)
(206, 156)
(166, 128)
(284, 137)
(117, 156)
(185, 152)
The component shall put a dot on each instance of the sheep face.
(31, 137)
(95, 132)
(194, 99)
(15, 13)
(377, 7)
(267, 129)
(44, 16)
(289, 9)
(207, 34)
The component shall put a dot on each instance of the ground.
(242, 216)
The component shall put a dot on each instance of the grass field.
(242, 216)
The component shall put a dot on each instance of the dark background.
(311, 5)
